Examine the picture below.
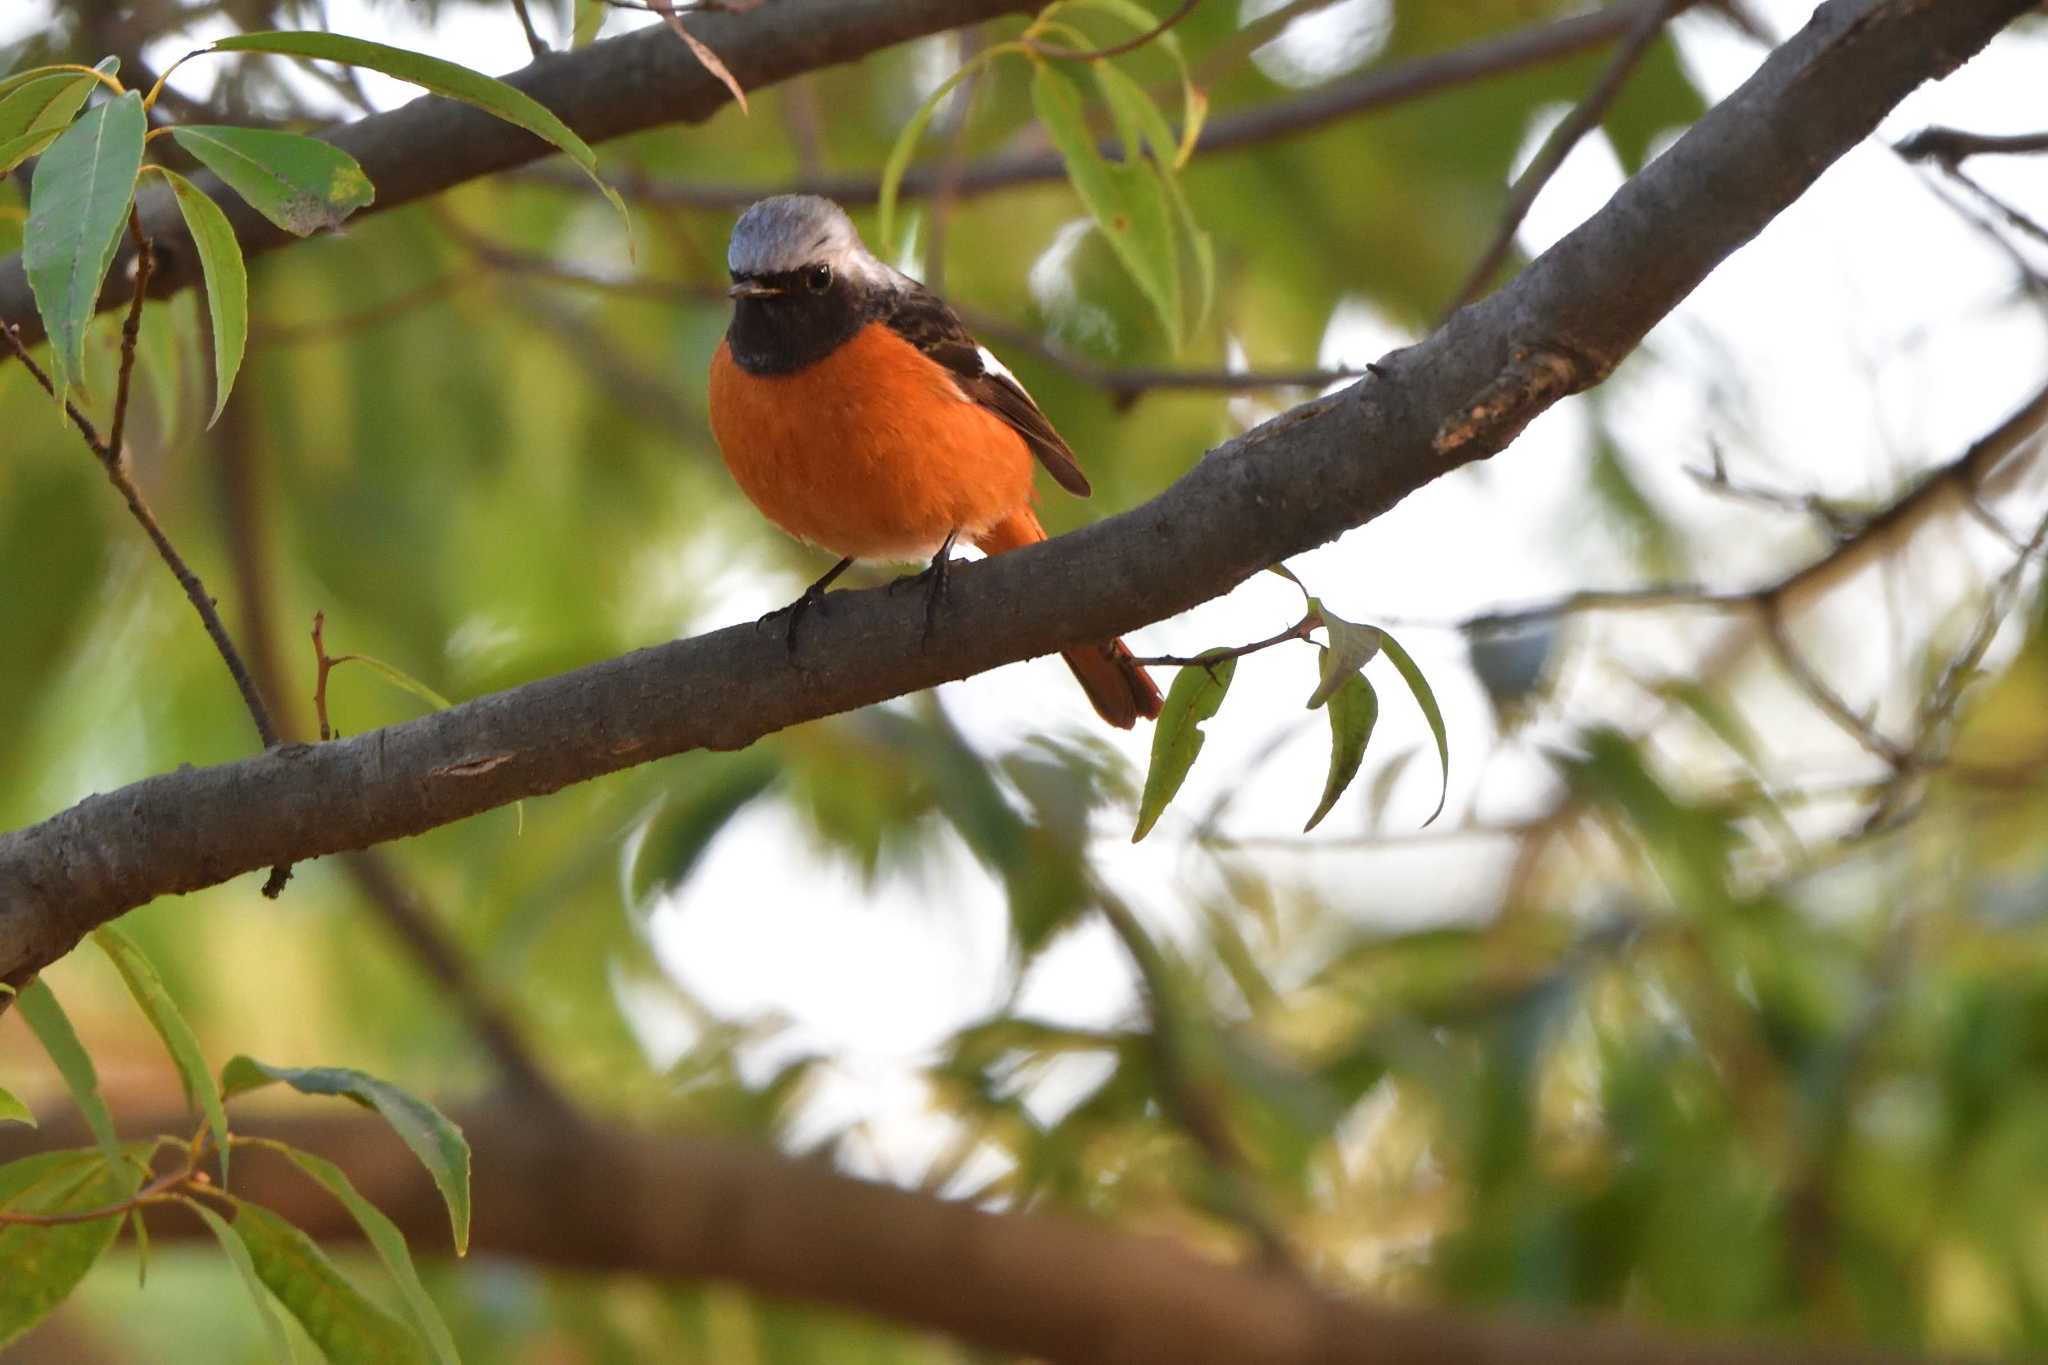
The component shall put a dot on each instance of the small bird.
(858, 413)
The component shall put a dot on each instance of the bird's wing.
(923, 319)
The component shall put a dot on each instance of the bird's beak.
(752, 289)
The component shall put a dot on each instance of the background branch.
(601, 1198)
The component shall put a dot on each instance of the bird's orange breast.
(871, 453)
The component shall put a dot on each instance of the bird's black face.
(783, 321)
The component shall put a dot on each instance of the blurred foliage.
(1712, 1061)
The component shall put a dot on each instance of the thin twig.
(1582, 120)
(1803, 674)
(2030, 226)
(1300, 630)
(534, 44)
(195, 590)
(165, 1187)
(109, 454)
(1948, 146)
(1068, 54)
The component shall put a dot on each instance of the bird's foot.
(813, 596)
(935, 580)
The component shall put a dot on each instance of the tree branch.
(1301, 479)
(606, 1199)
(1378, 88)
(613, 87)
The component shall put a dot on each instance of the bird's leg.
(812, 596)
(934, 579)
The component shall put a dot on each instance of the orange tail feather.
(1120, 688)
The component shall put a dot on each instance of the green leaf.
(162, 1012)
(106, 66)
(78, 204)
(43, 1264)
(16, 150)
(45, 104)
(1354, 709)
(444, 78)
(434, 1139)
(227, 282)
(138, 1226)
(1351, 648)
(300, 183)
(1426, 699)
(238, 1256)
(12, 1110)
(47, 1020)
(1128, 202)
(344, 1324)
(400, 679)
(389, 1242)
(1132, 104)
(1196, 695)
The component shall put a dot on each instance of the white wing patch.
(997, 367)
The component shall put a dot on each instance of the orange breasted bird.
(860, 416)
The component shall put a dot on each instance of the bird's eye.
(818, 278)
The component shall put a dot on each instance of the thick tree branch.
(613, 87)
(597, 1198)
(1295, 482)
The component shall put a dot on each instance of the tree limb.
(1301, 479)
(607, 1199)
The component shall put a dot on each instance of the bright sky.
(1863, 335)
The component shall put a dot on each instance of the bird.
(858, 413)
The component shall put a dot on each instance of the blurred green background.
(1691, 1007)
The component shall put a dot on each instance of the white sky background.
(1864, 331)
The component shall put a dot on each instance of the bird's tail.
(1121, 690)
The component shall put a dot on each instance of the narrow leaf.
(1351, 648)
(434, 1139)
(45, 104)
(164, 1016)
(16, 150)
(383, 1234)
(1196, 695)
(140, 1228)
(1426, 699)
(301, 184)
(44, 1264)
(78, 204)
(107, 66)
(344, 1324)
(227, 283)
(1353, 710)
(703, 53)
(47, 1020)
(238, 1257)
(12, 1110)
(442, 77)
(400, 679)
(906, 141)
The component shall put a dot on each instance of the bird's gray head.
(791, 232)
